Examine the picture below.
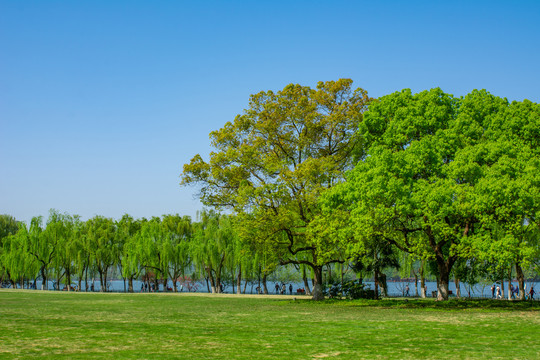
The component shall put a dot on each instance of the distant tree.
(176, 250)
(128, 248)
(213, 237)
(8, 226)
(101, 237)
(43, 247)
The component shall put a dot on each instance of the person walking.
(407, 290)
(531, 293)
(277, 288)
(290, 289)
(493, 291)
(498, 292)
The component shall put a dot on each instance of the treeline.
(329, 175)
(172, 247)
(326, 180)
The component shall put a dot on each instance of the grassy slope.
(78, 325)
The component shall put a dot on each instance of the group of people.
(282, 289)
(497, 292)
(145, 287)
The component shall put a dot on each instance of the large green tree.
(508, 192)
(420, 183)
(273, 161)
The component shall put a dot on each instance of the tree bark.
(239, 281)
(521, 281)
(68, 280)
(264, 284)
(306, 283)
(130, 284)
(422, 281)
(102, 288)
(44, 284)
(510, 283)
(384, 285)
(212, 283)
(317, 286)
(443, 279)
(458, 289)
(376, 285)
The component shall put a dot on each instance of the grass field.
(36, 324)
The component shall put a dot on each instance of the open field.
(36, 324)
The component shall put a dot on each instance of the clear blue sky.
(102, 102)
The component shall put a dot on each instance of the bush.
(353, 289)
(357, 290)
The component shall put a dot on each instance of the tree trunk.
(416, 284)
(384, 285)
(458, 289)
(510, 283)
(86, 280)
(306, 284)
(68, 280)
(130, 284)
(422, 280)
(521, 281)
(212, 283)
(264, 284)
(317, 285)
(44, 285)
(376, 285)
(239, 281)
(101, 281)
(342, 273)
(443, 279)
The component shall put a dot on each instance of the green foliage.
(439, 173)
(272, 163)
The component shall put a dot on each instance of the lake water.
(394, 288)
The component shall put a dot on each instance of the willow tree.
(176, 254)
(101, 235)
(41, 246)
(8, 226)
(213, 242)
(273, 161)
(128, 254)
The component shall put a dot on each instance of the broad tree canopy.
(271, 164)
(438, 173)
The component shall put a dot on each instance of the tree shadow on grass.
(452, 304)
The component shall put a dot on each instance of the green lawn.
(157, 326)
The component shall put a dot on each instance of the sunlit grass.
(78, 325)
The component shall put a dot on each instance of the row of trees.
(323, 179)
(329, 175)
(171, 247)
